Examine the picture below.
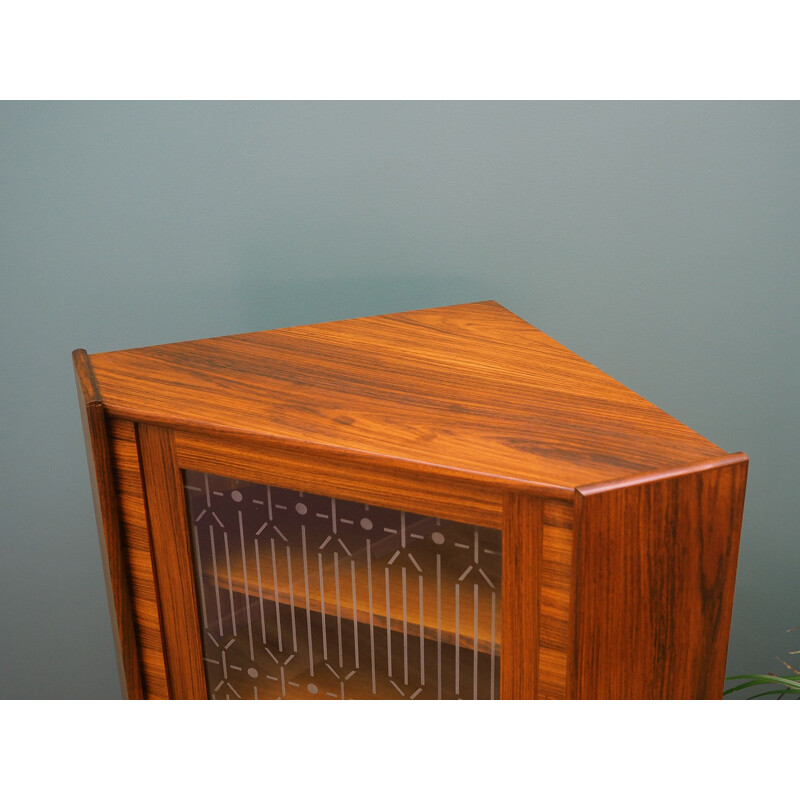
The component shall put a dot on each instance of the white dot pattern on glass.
(297, 590)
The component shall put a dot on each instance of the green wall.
(658, 240)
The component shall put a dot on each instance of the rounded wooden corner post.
(654, 568)
(172, 561)
(115, 571)
(521, 571)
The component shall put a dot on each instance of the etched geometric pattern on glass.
(309, 597)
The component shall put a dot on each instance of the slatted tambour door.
(305, 596)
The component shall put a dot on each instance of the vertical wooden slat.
(112, 550)
(554, 599)
(522, 557)
(654, 571)
(135, 535)
(172, 559)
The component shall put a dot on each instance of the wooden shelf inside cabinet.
(435, 504)
(439, 670)
(355, 590)
(361, 592)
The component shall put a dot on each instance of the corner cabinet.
(438, 504)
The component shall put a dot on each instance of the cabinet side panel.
(522, 563)
(654, 576)
(554, 602)
(112, 546)
(134, 531)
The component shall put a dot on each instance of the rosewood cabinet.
(438, 504)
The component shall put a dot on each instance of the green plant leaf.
(791, 684)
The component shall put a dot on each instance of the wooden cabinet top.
(470, 390)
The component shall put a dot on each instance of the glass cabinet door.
(308, 597)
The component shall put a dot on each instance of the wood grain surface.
(471, 389)
(555, 597)
(522, 563)
(172, 558)
(135, 534)
(654, 571)
(347, 477)
(112, 549)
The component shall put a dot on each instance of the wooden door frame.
(166, 451)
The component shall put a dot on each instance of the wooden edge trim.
(112, 551)
(523, 522)
(172, 562)
(660, 475)
(87, 385)
(363, 457)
